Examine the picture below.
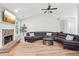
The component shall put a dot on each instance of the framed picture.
(9, 17)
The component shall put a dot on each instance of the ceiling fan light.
(50, 11)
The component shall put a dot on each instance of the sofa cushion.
(69, 37)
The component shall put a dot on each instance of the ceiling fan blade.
(43, 9)
(53, 8)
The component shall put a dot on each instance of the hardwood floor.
(38, 49)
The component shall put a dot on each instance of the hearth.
(8, 39)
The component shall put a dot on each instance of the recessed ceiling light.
(16, 10)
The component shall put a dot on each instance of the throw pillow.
(49, 34)
(31, 34)
(69, 37)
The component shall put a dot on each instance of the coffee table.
(48, 41)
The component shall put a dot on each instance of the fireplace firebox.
(8, 39)
(7, 35)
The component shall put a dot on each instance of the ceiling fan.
(49, 9)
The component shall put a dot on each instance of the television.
(9, 17)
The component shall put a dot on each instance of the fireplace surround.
(7, 35)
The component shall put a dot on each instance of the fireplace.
(8, 39)
(7, 35)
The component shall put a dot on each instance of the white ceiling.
(26, 10)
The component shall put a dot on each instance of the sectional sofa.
(57, 36)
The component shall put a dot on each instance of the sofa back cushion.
(40, 33)
(54, 33)
(62, 35)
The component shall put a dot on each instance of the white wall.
(69, 19)
(42, 22)
(78, 19)
(69, 25)
(1, 12)
(69, 10)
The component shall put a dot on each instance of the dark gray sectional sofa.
(57, 36)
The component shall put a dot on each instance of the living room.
(43, 21)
